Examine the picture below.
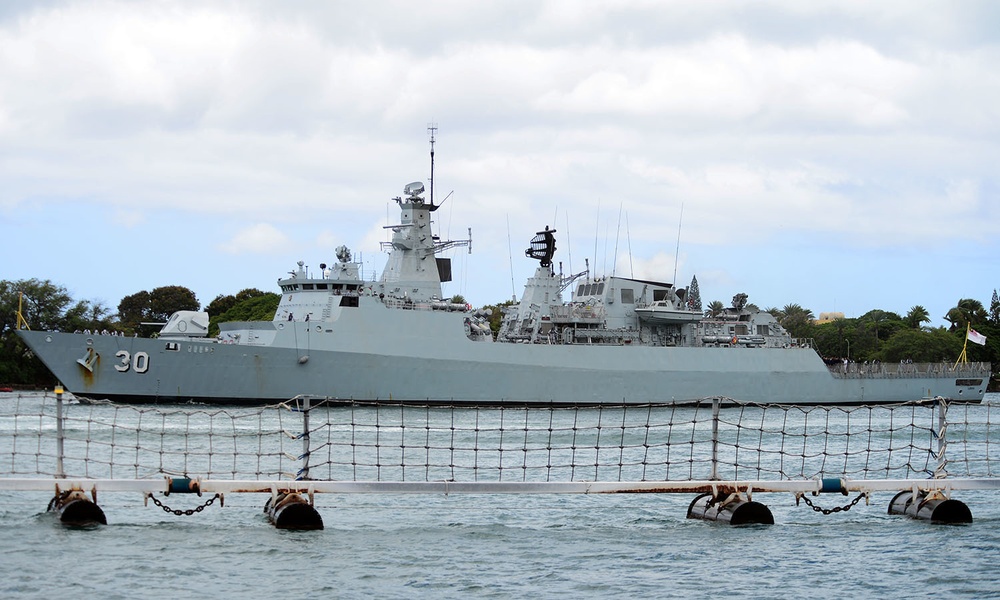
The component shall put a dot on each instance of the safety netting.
(321, 439)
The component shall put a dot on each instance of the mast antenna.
(677, 250)
(510, 257)
(431, 130)
(628, 235)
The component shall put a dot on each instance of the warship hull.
(376, 353)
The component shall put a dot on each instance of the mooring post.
(304, 471)
(60, 473)
(715, 438)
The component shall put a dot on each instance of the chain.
(180, 512)
(835, 509)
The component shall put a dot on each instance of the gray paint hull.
(385, 354)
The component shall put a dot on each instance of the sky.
(841, 155)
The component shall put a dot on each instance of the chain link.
(835, 509)
(180, 512)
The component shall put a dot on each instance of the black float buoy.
(292, 511)
(75, 509)
(733, 509)
(930, 506)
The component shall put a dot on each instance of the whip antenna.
(432, 129)
(677, 250)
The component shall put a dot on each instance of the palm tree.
(876, 317)
(796, 320)
(715, 308)
(917, 316)
(966, 312)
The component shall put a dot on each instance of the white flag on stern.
(976, 338)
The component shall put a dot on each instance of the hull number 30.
(138, 362)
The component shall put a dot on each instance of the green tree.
(796, 320)
(921, 346)
(221, 304)
(133, 310)
(916, 317)
(715, 308)
(45, 306)
(694, 295)
(495, 314)
(967, 312)
(831, 338)
(883, 323)
(155, 306)
(165, 301)
(248, 293)
(254, 307)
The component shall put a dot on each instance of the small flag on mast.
(976, 338)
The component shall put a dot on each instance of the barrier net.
(388, 442)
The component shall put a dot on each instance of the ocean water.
(497, 546)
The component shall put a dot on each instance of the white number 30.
(138, 363)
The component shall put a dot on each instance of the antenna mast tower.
(431, 130)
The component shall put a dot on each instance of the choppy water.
(499, 546)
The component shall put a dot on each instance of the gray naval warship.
(616, 340)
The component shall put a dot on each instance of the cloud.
(839, 125)
(128, 218)
(261, 238)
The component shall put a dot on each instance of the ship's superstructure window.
(628, 296)
(307, 286)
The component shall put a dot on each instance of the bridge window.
(628, 296)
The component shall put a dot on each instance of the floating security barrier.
(734, 509)
(74, 508)
(292, 511)
(932, 506)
